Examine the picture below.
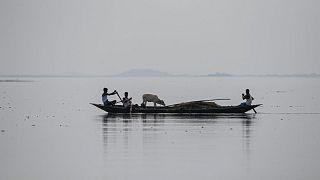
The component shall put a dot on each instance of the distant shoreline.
(155, 73)
(166, 76)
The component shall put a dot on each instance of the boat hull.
(151, 110)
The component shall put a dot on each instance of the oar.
(119, 97)
(254, 111)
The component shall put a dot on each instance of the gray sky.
(175, 36)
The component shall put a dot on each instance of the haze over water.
(48, 130)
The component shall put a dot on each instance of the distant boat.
(175, 109)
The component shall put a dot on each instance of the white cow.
(152, 98)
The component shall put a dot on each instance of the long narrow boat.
(173, 110)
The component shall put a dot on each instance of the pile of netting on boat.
(196, 105)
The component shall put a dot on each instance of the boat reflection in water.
(157, 129)
(141, 143)
(211, 117)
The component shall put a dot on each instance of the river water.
(48, 130)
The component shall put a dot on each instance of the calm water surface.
(48, 130)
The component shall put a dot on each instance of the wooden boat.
(175, 110)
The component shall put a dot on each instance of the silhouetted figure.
(126, 101)
(105, 95)
(248, 98)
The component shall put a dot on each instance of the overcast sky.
(175, 36)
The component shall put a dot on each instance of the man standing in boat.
(247, 97)
(105, 95)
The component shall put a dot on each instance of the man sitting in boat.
(248, 98)
(126, 101)
(105, 95)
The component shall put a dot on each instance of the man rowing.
(105, 95)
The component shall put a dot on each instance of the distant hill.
(143, 73)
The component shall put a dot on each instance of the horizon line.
(217, 74)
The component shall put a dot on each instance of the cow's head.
(161, 102)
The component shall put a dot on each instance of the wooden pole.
(218, 99)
